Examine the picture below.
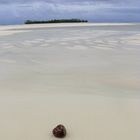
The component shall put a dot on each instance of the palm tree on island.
(55, 21)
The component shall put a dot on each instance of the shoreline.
(62, 25)
(12, 29)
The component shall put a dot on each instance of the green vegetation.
(55, 21)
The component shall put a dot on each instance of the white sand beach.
(84, 76)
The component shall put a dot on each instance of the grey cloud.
(17, 11)
(53, 1)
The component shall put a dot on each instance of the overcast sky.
(17, 11)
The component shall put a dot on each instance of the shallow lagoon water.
(93, 55)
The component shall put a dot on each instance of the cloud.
(17, 11)
(60, 1)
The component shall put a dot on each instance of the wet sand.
(85, 76)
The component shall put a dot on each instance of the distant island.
(55, 21)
